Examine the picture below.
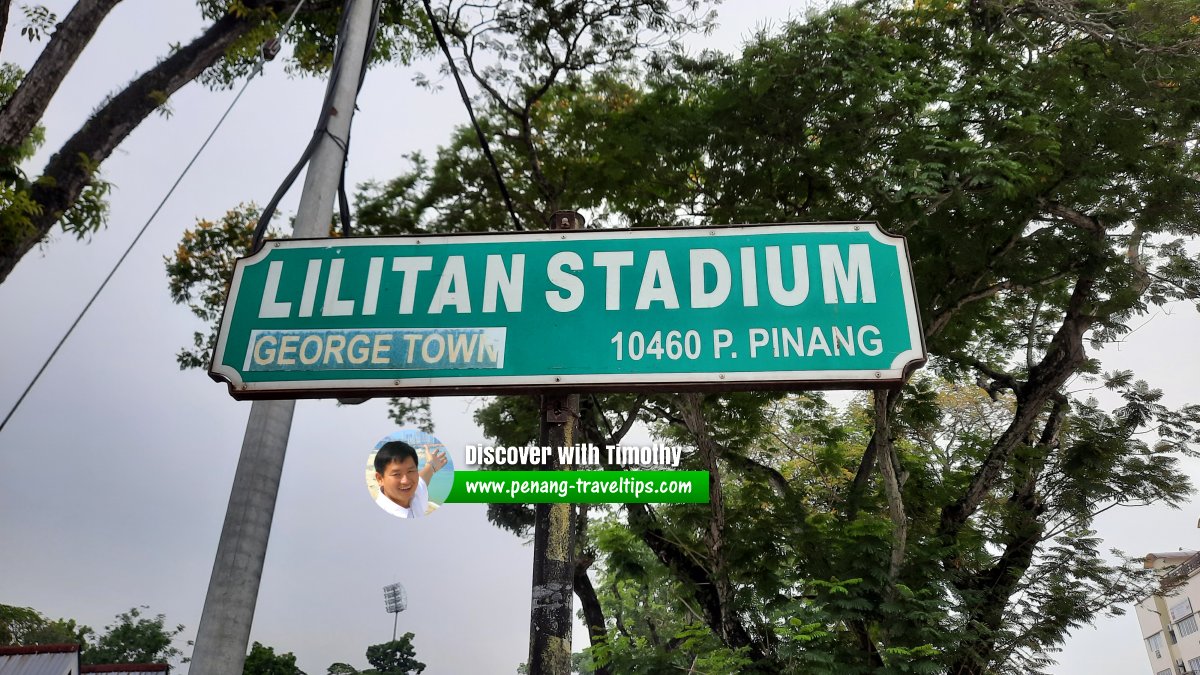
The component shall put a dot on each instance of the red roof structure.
(12, 650)
(127, 668)
(60, 659)
(63, 659)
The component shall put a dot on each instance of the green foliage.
(17, 622)
(39, 22)
(651, 633)
(397, 657)
(131, 638)
(163, 102)
(134, 638)
(1046, 176)
(1018, 177)
(25, 220)
(89, 212)
(411, 411)
(200, 272)
(401, 36)
(17, 206)
(264, 661)
(27, 626)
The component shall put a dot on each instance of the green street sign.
(799, 306)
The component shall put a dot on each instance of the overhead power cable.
(266, 52)
(466, 99)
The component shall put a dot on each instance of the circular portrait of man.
(409, 474)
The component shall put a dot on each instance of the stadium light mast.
(395, 600)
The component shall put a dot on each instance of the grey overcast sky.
(115, 472)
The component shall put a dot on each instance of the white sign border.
(901, 365)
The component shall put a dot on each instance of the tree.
(69, 191)
(574, 40)
(27, 626)
(131, 638)
(201, 269)
(1068, 155)
(1042, 162)
(134, 638)
(264, 661)
(396, 657)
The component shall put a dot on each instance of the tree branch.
(29, 101)
(943, 317)
(627, 424)
(993, 587)
(1000, 379)
(589, 602)
(890, 470)
(1064, 355)
(642, 521)
(691, 407)
(4, 9)
(1089, 224)
(866, 466)
(70, 170)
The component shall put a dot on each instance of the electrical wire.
(466, 99)
(258, 67)
(264, 220)
(321, 130)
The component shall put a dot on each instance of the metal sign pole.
(224, 631)
(554, 532)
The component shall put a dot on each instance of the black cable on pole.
(322, 129)
(343, 204)
(343, 200)
(264, 220)
(487, 150)
(266, 53)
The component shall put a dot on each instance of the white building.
(1170, 624)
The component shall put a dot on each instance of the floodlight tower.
(395, 600)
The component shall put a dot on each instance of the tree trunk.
(593, 614)
(889, 468)
(4, 8)
(683, 564)
(692, 408)
(1063, 357)
(995, 586)
(29, 101)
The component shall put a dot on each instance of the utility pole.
(224, 631)
(554, 530)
